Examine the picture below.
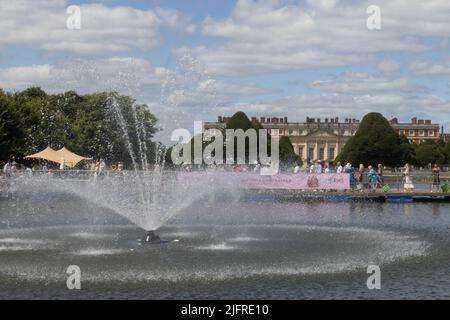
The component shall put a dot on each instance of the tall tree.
(374, 142)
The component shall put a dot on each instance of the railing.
(422, 179)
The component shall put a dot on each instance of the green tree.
(429, 152)
(97, 125)
(12, 133)
(374, 142)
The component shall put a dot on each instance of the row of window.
(412, 133)
(292, 132)
(322, 156)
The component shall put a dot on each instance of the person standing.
(327, 168)
(297, 168)
(319, 167)
(436, 177)
(7, 169)
(339, 169)
(351, 171)
(62, 165)
(101, 168)
(380, 175)
(408, 185)
(373, 178)
(312, 168)
(360, 177)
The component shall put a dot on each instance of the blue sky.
(196, 59)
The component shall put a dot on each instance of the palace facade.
(324, 138)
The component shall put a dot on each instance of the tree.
(374, 142)
(97, 125)
(429, 152)
(12, 133)
(286, 151)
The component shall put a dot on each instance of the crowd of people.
(361, 178)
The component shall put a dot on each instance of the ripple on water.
(97, 252)
(219, 247)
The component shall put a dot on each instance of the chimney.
(394, 120)
(336, 119)
(326, 120)
(318, 120)
(414, 120)
(285, 120)
(263, 119)
(427, 121)
(421, 122)
(254, 119)
(354, 120)
(219, 119)
(281, 120)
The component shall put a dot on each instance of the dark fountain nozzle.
(151, 236)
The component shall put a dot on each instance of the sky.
(197, 59)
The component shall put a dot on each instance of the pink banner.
(327, 181)
(250, 180)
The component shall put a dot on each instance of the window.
(300, 152)
(311, 153)
(321, 153)
(431, 133)
(401, 132)
(421, 133)
(280, 131)
(331, 154)
(411, 133)
(291, 132)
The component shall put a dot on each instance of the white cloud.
(268, 36)
(42, 25)
(431, 67)
(297, 108)
(357, 83)
(389, 67)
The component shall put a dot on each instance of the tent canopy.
(47, 154)
(69, 158)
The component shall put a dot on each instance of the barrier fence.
(422, 179)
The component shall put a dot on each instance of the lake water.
(225, 249)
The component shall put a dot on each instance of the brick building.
(417, 130)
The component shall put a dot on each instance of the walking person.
(436, 178)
